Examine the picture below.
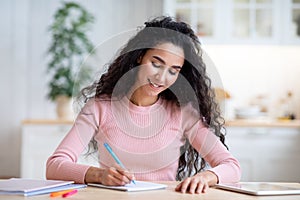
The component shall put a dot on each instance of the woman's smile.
(154, 85)
(159, 69)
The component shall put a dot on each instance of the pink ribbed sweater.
(146, 139)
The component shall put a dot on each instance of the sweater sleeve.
(62, 163)
(209, 146)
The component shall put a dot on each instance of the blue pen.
(115, 156)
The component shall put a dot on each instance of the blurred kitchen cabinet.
(240, 21)
(254, 21)
(291, 25)
(203, 16)
(39, 140)
(266, 153)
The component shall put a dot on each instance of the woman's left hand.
(198, 183)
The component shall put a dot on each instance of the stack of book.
(30, 187)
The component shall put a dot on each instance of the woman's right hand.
(113, 176)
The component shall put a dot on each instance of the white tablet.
(259, 188)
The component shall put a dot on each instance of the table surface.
(169, 193)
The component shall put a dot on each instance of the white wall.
(247, 71)
(23, 44)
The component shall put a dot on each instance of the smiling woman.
(155, 107)
(158, 70)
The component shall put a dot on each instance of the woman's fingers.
(184, 185)
(193, 185)
(125, 172)
(118, 177)
(109, 176)
(201, 188)
(128, 174)
(178, 187)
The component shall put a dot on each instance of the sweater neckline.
(136, 108)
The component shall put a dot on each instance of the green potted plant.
(69, 46)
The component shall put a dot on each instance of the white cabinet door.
(38, 143)
(203, 16)
(291, 27)
(240, 21)
(266, 154)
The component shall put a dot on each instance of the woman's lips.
(154, 85)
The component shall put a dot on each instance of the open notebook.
(259, 188)
(30, 187)
(138, 186)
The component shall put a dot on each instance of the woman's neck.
(142, 100)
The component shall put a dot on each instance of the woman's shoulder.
(184, 109)
(96, 103)
(189, 107)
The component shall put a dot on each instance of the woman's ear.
(139, 60)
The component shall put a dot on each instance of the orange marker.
(69, 193)
(56, 194)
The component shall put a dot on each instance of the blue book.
(30, 187)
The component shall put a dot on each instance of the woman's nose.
(161, 76)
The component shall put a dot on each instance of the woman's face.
(159, 68)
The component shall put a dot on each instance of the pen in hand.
(115, 157)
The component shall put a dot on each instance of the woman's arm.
(223, 164)
(62, 163)
(225, 168)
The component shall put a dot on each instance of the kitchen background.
(253, 45)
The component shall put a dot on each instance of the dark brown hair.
(157, 31)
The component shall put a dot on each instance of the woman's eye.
(173, 72)
(155, 65)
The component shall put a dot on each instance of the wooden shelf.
(263, 123)
(46, 121)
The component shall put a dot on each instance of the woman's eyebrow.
(159, 59)
(163, 62)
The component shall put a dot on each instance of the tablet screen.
(259, 188)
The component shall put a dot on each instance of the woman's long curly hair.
(157, 31)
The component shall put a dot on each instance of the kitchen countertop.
(263, 123)
(229, 123)
(47, 122)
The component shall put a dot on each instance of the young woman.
(155, 107)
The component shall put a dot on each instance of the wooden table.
(91, 193)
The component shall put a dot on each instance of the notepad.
(138, 186)
(30, 187)
(259, 188)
